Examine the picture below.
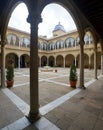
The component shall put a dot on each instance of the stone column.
(95, 61)
(89, 62)
(75, 62)
(2, 64)
(102, 63)
(34, 19)
(75, 43)
(39, 61)
(101, 43)
(55, 61)
(64, 61)
(47, 61)
(81, 84)
(19, 62)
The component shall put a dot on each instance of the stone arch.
(86, 39)
(69, 42)
(24, 61)
(51, 61)
(86, 61)
(43, 61)
(69, 59)
(9, 9)
(51, 46)
(60, 44)
(24, 41)
(70, 7)
(94, 35)
(98, 60)
(59, 61)
(44, 46)
(12, 39)
(11, 58)
(41, 46)
(77, 40)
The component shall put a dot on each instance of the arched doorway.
(43, 61)
(59, 61)
(24, 61)
(69, 60)
(99, 60)
(86, 61)
(11, 58)
(51, 61)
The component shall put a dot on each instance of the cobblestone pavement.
(61, 106)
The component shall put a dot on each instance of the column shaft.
(75, 62)
(102, 64)
(19, 62)
(40, 62)
(55, 61)
(81, 64)
(2, 65)
(64, 62)
(95, 62)
(34, 92)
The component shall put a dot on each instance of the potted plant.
(10, 76)
(73, 76)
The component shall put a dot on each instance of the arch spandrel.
(9, 8)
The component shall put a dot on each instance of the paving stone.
(86, 120)
(8, 111)
(64, 123)
(99, 125)
(84, 111)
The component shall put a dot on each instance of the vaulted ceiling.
(91, 9)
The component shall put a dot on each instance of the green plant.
(10, 73)
(73, 73)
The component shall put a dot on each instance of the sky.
(51, 15)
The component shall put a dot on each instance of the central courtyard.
(52, 85)
(56, 98)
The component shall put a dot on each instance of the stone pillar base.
(32, 117)
(96, 78)
(82, 87)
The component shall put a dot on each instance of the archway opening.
(69, 60)
(24, 61)
(11, 59)
(51, 61)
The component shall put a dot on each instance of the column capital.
(81, 36)
(3, 43)
(34, 18)
(101, 44)
(95, 47)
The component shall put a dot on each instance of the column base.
(82, 87)
(33, 117)
(96, 78)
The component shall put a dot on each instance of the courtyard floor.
(61, 107)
